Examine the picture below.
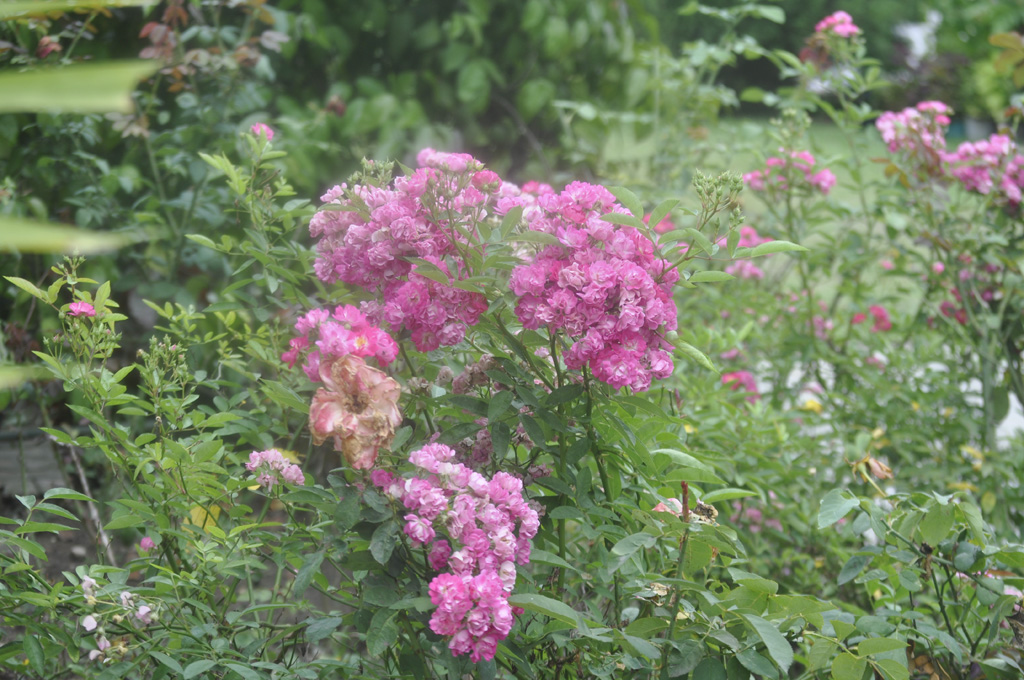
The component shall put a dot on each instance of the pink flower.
(840, 23)
(262, 129)
(89, 623)
(881, 317)
(744, 381)
(674, 507)
(144, 615)
(938, 267)
(81, 309)
(859, 317)
(146, 544)
(87, 585)
(272, 467)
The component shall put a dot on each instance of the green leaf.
(13, 376)
(776, 247)
(628, 200)
(757, 664)
(699, 240)
(123, 522)
(34, 652)
(778, 646)
(383, 631)
(710, 276)
(32, 236)
(304, 577)
(630, 544)
(683, 459)
(710, 669)
(473, 85)
(877, 645)
(383, 542)
(166, 661)
(769, 12)
(197, 667)
(245, 671)
(623, 219)
(662, 211)
(853, 566)
(78, 88)
(546, 606)
(695, 354)
(726, 495)
(893, 669)
(323, 627)
(66, 494)
(499, 404)
(848, 667)
(936, 524)
(835, 506)
(545, 557)
(11, 9)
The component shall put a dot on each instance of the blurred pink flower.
(81, 309)
(263, 129)
(742, 380)
(146, 544)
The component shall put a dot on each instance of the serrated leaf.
(848, 667)
(878, 645)
(383, 631)
(853, 566)
(778, 646)
(310, 565)
(323, 627)
(630, 544)
(383, 542)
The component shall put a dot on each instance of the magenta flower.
(81, 309)
(742, 381)
(881, 317)
(146, 544)
(262, 129)
(839, 23)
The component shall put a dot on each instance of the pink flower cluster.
(792, 166)
(753, 518)
(742, 381)
(602, 285)
(272, 468)
(918, 131)
(880, 316)
(839, 23)
(480, 517)
(342, 332)
(369, 243)
(989, 166)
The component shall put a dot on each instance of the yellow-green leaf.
(78, 88)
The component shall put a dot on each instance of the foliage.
(517, 431)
